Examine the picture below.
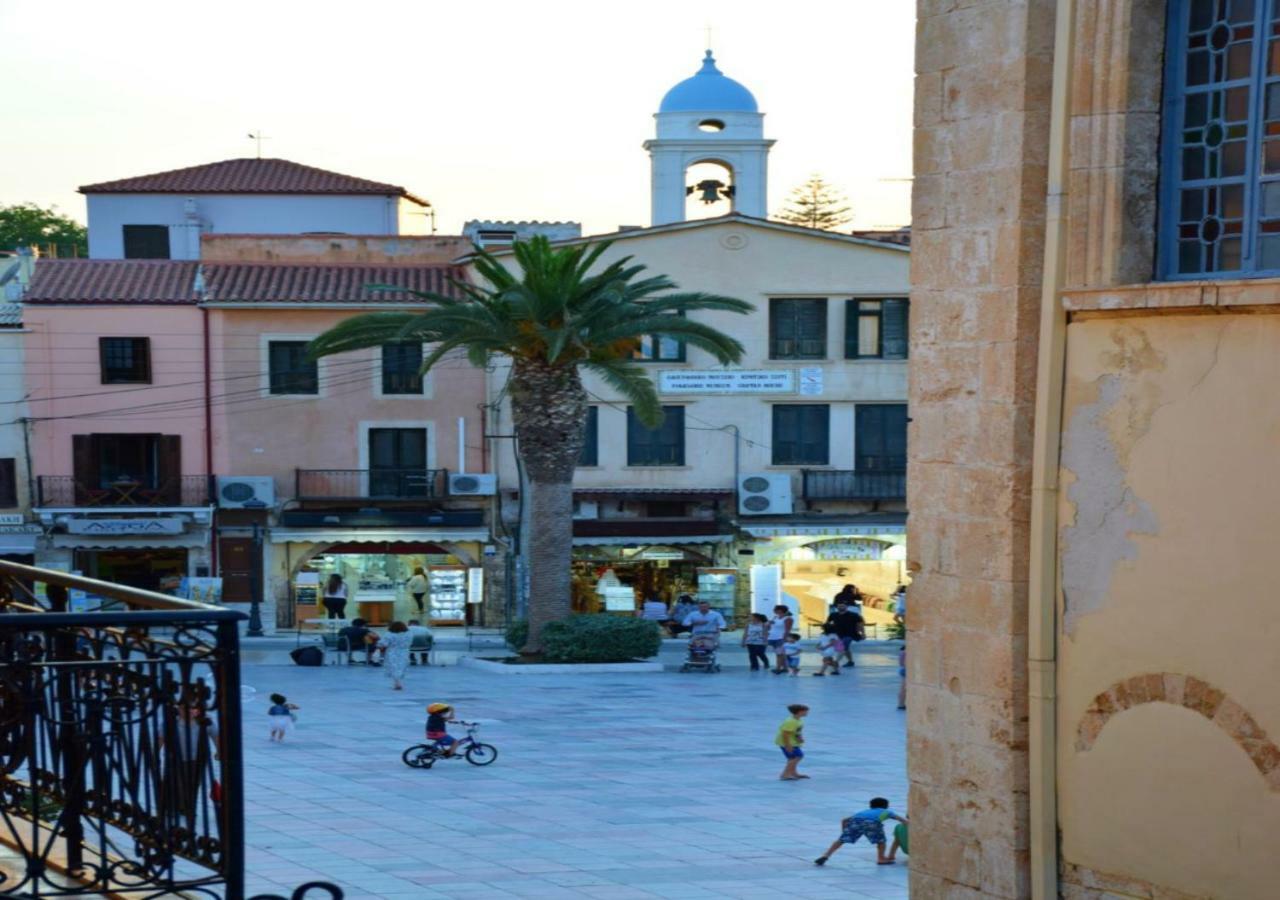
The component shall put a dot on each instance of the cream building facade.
(812, 415)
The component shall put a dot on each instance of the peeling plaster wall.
(1168, 534)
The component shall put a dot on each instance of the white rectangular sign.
(811, 382)
(475, 585)
(169, 525)
(10, 518)
(727, 381)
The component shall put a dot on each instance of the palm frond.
(363, 331)
(633, 383)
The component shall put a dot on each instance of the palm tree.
(551, 320)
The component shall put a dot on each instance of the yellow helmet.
(438, 707)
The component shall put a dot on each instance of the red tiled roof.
(233, 282)
(249, 176)
(113, 281)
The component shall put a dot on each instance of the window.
(1220, 166)
(880, 443)
(127, 469)
(400, 364)
(660, 349)
(661, 446)
(125, 360)
(290, 370)
(875, 329)
(146, 241)
(8, 482)
(591, 438)
(797, 329)
(398, 463)
(801, 434)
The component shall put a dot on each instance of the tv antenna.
(258, 137)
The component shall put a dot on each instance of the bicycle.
(424, 756)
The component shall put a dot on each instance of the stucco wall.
(233, 214)
(65, 384)
(13, 408)
(418, 249)
(1167, 545)
(753, 264)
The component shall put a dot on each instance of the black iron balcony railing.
(120, 768)
(370, 484)
(69, 490)
(849, 484)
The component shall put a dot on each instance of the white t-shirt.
(778, 628)
(827, 644)
(792, 650)
(340, 593)
(710, 622)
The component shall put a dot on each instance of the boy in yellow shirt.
(790, 737)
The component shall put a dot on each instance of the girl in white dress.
(395, 656)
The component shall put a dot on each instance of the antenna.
(258, 137)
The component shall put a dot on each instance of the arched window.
(1220, 162)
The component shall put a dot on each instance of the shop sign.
(856, 548)
(10, 518)
(168, 525)
(662, 554)
(20, 529)
(811, 382)
(726, 381)
(475, 585)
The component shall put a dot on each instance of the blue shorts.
(870, 829)
(447, 740)
(776, 645)
(792, 753)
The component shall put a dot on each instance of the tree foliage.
(816, 204)
(28, 225)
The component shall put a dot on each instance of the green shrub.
(599, 639)
(517, 633)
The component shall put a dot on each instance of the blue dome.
(708, 91)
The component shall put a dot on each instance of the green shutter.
(893, 328)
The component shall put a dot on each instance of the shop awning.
(375, 535)
(191, 540)
(17, 544)
(667, 540)
(662, 493)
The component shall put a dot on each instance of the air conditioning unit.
(586, 509)
(765, 494)
(465, 484)
(246, 491)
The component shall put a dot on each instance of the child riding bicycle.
(438, 717)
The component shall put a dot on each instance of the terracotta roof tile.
(320, 283)
(113, 281)
(249, 176)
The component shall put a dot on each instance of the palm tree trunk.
(548, 406)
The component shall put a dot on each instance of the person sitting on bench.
(356, 636)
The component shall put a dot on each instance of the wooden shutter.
(169, 469)
(84, 467)
(893, 325)
(591, 438)
(8, 482)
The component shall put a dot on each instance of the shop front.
(18, 538)
(616, 574)
(805, 563)
(376, 566)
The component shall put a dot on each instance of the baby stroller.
(701, 655)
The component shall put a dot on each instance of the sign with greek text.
(727, 381)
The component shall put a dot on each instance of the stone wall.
(982, 100)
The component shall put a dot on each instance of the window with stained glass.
(1221, 165)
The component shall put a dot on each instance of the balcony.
(370, 484)
(850, 484)
(70, 490)
(120, 742)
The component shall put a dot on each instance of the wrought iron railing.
(120, 767)
(68, 490)
(369, 484)
(849, 484)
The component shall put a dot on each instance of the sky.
(494, 110)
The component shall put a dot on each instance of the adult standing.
(335, 597)
(849, 594)
(705, 621)
(779, 627)
(395, 653)
(848, 625)
(654, 610)
(418, 588)
(684, 608)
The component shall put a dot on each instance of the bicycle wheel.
(419, 756)
(481, 754)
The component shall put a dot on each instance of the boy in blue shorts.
(438, 717)
(789, 738)
(867, 824)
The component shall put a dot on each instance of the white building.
(162, 216)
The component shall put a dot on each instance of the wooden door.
(237, 559)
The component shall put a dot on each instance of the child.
(792, 650)
(790, 737)
(438, 717)
(902, 676)
(281, 716)
(753, 638)
(868, 824)
(830, 647)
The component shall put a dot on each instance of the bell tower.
(708, 118)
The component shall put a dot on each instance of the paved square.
(606, 786)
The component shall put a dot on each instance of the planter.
(498, 667)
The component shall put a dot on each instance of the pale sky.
(493, 110)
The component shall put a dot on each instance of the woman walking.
(418, 588)
(779, 628)
(335, 597)
(395, 653)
